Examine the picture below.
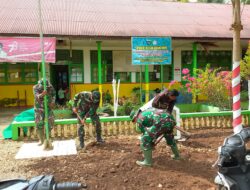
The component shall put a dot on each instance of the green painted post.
(194, 59)
(14, 130)
(194, 65)
(44, 73)
(99, 55)
(146, 83)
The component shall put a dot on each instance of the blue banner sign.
(151, 50)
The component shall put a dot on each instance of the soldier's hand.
(75, 110)
(44, 93)
(165, 91)
(91, 98)
(52, 105)
(83, 121)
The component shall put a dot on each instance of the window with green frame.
(140, 75)
(30, 73)
(153, 77)
(19, 73)
(76, 73)
(156, 75)
(62, 55)
(216, 59)
(75, 63)
(14, 73)
(107, 66)
(2, 73)
(123, 76)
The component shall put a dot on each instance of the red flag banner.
(26, 49)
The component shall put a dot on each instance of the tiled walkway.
(32, 150)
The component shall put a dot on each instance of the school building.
(200, 35)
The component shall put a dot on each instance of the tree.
(245, 71)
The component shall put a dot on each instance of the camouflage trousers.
(147, 142)
(40, 117)
(81, 132)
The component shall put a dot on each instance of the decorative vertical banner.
(151, 50)
(26, 49)
(237, 118)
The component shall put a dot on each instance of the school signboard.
(151, 50)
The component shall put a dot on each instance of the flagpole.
(43, 71)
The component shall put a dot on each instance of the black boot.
(100, 140)
(81, 136)
(99, 133)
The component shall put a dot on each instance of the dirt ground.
(112, 165)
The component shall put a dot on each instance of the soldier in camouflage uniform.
(153, 123)
(85, 105)
(166, 100)
(39, 94)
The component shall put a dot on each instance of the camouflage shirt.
(155, 122)
(39, 100)
(84, 103)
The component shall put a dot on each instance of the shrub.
(135, 95)
(244, 96)
(106, 108)
(245, 66)
(213, 83)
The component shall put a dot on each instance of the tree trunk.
(237, 27)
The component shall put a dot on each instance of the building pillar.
(194, 66)
(177, 64)
(133, 76)
(87, 65)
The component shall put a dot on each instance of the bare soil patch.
(112, 165)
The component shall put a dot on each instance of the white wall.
(122, 61)
(87, 68)
(177, 64)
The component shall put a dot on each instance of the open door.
(60, 79)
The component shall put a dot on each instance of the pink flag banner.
(26, 49)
